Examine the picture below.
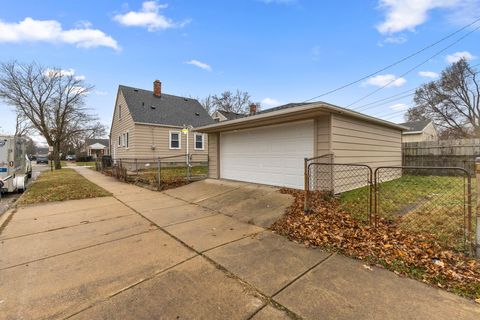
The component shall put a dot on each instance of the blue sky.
(279, 51)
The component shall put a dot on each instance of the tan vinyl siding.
(119, 127)
(364, 142)
(361, 142)
(323, 135)
(213, 156)
(153, 141)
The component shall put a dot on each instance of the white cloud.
(455, 57)
(270, 102)
(428, 74)
(62, 72)
(404, 15)
(388, 80)
(200, 64)
(149, 17)
(31, 30)
(399, 107)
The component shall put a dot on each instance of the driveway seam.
(65, 227)
(195, 219)
(79, 249)
(302, 274)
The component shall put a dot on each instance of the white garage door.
(270, 155)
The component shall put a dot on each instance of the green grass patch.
(85, 164)
(431, 204)
(60, 185)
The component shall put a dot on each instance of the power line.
(385, 101)
(394, 63)
(415, 67)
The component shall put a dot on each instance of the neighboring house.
(419, 131)
(96, 148)
(221, 115)
(269, 147)
(148, 124)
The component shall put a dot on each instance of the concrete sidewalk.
(196, 252)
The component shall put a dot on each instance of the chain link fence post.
(477, 215)
(306, 207)
(159, 177)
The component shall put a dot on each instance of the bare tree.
(452, 102)
(76, 142)
(207, 104)
(23, 127)
(237, 102)
(53, 101)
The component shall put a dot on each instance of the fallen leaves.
(416, 255)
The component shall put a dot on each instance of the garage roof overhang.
(296, 113)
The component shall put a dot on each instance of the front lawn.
(85, 164)
(60, 185)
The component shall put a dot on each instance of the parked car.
(42, 159)
(71, 157)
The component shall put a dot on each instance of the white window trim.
(119, 112)
(170, 139)
(119, 140)
(127, 139)
(195, 141)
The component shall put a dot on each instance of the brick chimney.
(253, 109)
(157, 88)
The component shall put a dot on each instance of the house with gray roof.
(96, 148)
(419, 131)
(222, 115)
(150, 124)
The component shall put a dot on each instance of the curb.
(5, 218)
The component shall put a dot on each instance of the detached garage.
(269, 147)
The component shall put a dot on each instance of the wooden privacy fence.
(444, 153)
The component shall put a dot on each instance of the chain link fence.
(348, 184)
(420, 200)
(437, 201)
(160, 173)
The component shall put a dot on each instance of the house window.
(198, 141)
(126, 138)
(123, 139)
(175, 140)
(119, 141)
(119, 112)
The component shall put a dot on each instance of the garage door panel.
(269, 155)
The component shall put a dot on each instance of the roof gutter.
(299, 110)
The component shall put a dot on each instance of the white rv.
(15, 166)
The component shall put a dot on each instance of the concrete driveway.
(196, 252)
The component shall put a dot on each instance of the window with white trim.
(119, 141)
(123, 139)
(199, 141)
(126, 142)
(119, 112)
(174, 140)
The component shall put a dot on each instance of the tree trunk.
(56, 156)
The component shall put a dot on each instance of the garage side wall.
(323, 135)
(213, 156)
(362, 142)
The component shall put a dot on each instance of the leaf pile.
(418, 256)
